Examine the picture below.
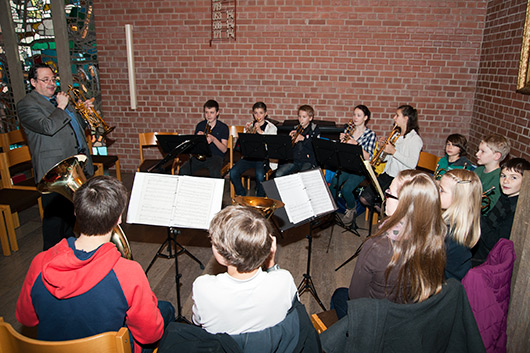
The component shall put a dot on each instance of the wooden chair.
(17, 161)
(14, 137)
(13, 199)
(148, 140)
(104, 162)
(109, 342)
(321, 321)
(427, 162)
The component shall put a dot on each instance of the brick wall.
(332, 55)
(498, 108)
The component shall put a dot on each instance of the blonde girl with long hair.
(461, 197)
(404, 260)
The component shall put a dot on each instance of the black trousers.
(58, 221)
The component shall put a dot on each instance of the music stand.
(259, 146)
(167, 211)
(171, 144)
(275, 188)
(339, 157)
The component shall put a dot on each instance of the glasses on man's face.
(388, 195)
(48, 80)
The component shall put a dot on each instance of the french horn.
(65, 178)
(263, 205)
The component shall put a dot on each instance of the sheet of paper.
(293, 194)
(174, 201)
(318, 192)
(198, 201)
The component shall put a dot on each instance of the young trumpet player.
(217, 136)
(401, 156)
(258, 126)
(358, 134)
(303, 154)
(54, 132)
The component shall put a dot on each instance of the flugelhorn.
(350, 129)
(90, 115)
(65, 178)
(380, 155)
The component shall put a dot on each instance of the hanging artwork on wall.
(223, 20)
(523, 80)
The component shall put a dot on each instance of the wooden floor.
(145, 241)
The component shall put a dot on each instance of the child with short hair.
(258, 126)
(217, 138)
(455, 156)
(460, 197)
(302, 135)
(82, 287)
(245, 298)
(498, 223)
(492, 150)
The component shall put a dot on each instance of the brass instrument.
(264, 205)
(65, 178)
(350, 129)
(252, 129)
(207, 131)
(438, 173)
(297, 133)
(380, 155)
(486, 201)
(90, 115)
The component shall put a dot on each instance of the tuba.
(380, 155)
(90, 115)
(65, 178)
(263, 205)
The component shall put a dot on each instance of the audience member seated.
(488, 290)
(443, 323)
(404, 261)
(455, 156)
(82, 287)
(498, 222)
(492, 150)
(460, 196)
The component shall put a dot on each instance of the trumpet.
(486, 201)
(438, 173)
(90, 115)
(350, 129)
(207, 131)
(65, 178)
(252, 129)
(380, 155)
(297, 133)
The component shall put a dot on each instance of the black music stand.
(172, 145)
(272, 191)
(257, 146)
(339, 157)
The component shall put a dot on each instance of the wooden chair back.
(148, 139)
(428, 161)
(109, 342)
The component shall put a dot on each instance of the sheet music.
(373, 178)
(295, 197)
(174, 201)
(317, 190)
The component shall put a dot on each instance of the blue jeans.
(349, 183)
(167, 310)
(339, 302)
(239, 168)
(291, 168)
